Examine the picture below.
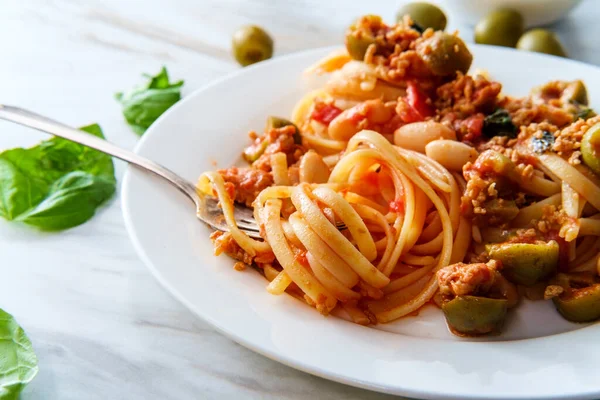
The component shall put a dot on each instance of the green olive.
(498, 163)
(360, 35)
(575, 92)
(526, 263)
(474, 315)
(541, 41)
(500, 28)
(278, 122)
(584, 112)
(590, 148)
(426, 15)
(568, 92)
(501, 209)
(357, 45)
(251, 44)
(445, 54)
(580, 302)
(254, 151)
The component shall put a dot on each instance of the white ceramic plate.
(539, 355)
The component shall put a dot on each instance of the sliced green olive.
(580, 301)
(277, 122)
(575, 92)
(500, 28)
(426, 15)
(445, 54)
(590, 148)
(503, 210)
(584, 112)
(474, 315)
(541, 41)
(253, 152)
(526, 263)
(501, 165)
(251, 44)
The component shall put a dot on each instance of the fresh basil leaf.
(18, 362)
(143, 104)
(499, 123)
(21, 184)
(55, 185)
(72, 200)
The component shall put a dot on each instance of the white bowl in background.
(535, 12)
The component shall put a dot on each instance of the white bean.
(450, 153)
(313, 169)
(346, 125)
(415, 136)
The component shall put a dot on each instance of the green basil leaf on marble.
(143, 104)
(18, 362)
(55, 185)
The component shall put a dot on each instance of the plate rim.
(271, 353)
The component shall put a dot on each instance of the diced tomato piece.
(474, 125)
(416, 106)
(419, 100)
(397, 205)
(407, 113)
(325, 113)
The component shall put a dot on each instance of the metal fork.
(207, 209)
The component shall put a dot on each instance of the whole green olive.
(359, 35)
(251, 44)
(500, 28)
(541, 41)
(426, 15)
(445, 54)
(357, 44)
(590, 148)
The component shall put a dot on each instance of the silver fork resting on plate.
(207, 209)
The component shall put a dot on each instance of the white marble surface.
(100, 324)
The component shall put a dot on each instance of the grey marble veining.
(100, 324)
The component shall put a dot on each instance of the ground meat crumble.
(467, 95)
(467, 279)
(279, 140)
(224, 243)
(568, 140)
(244, 184)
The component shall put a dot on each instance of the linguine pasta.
(448, 191)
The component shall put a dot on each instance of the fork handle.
(47, 125)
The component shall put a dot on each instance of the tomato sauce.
(397, 205)
(325, 113)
